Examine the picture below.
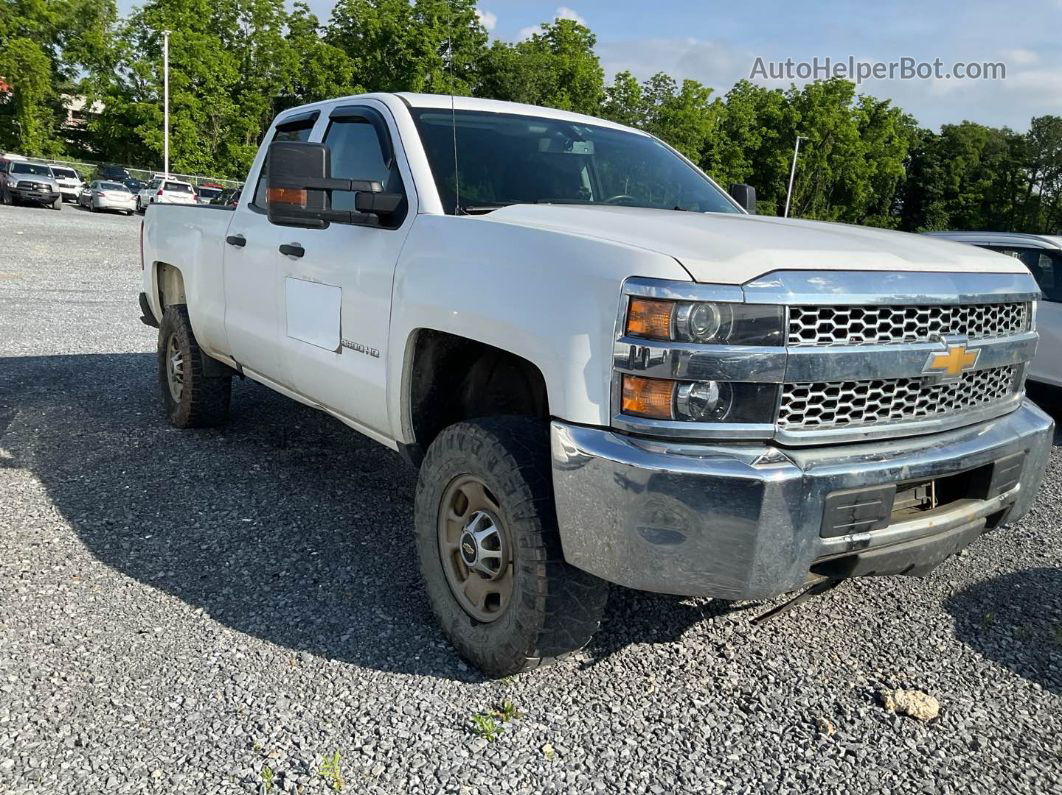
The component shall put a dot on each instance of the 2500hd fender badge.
(357, 346)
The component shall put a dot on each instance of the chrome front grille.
(885, 325)
(846, 404)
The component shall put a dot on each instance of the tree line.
(236, 63)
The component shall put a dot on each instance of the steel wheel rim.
(475, 549)
(174, 369)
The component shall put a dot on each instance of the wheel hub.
(474, 549)
(174, 369)
(481, 545)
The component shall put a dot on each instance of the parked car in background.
(105, 195)
(207, 192)
(163, 190)
(32, 183)
(228, 198)
(1042, 255)
(112, 173)
(69, 181)
(135, 185)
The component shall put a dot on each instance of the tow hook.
(819, 588)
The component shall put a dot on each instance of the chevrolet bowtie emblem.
(952, 362)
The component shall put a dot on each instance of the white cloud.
(566, 13)
(487, 19)
(527, 33)
(1020, 55)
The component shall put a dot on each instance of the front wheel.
(58, 204)
(490, 550)
(195, 389)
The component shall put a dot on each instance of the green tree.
(321, 71)
(555, 67)
(29, 69)
(398, 46)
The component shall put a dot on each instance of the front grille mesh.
(869, 325)
(841, 404)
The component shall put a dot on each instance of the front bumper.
(41, 197)
(745, 521)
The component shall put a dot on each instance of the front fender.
(549, 297)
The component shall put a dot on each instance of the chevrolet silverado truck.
(605, 368)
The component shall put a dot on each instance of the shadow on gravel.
(285, 524)
(1015, 620)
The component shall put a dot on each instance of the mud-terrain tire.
(552, 608)
(195, 389)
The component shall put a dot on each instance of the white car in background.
(69, 181)
(1042, 255)
(104, 194)
(165, 190)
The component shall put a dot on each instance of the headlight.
(697, 401)
(707, 322)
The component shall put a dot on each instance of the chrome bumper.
(743, 521)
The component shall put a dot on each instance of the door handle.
(292, 249)
(236, 240)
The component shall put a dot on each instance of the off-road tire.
(207, 387)
(555, 608)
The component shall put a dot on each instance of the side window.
(1045, 266)
(298, 130)
(357, 153)
(1047, 269)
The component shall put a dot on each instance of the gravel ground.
(190, 611)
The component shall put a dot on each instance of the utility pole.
(166, 102)
(792, 174)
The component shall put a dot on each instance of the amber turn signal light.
(296, 196)
(648, 397)
(649, 318)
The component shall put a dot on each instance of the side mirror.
(299, 189)
(745, 195)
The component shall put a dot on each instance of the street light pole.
(166, 102)
(792, 174)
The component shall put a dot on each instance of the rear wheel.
(490, 549)
(195, 389)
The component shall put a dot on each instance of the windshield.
(114, 186)
(64, 173)
(30, 168)
(510, 159)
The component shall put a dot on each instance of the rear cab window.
(293, 128)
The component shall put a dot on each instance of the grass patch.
(331, 772)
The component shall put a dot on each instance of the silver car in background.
(103, 194)
(1042, 255)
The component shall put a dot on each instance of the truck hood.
(733, 249)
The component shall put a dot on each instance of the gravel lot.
(181, 611)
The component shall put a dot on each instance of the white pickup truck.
(606, 368)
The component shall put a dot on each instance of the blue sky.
(718, 43)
